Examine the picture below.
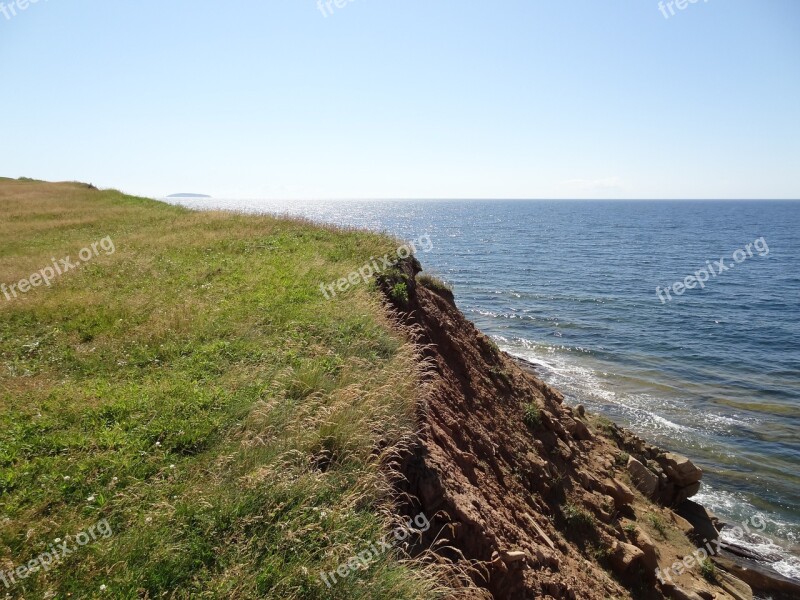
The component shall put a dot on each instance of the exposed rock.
(684, 493)
(569, 424)
(681, 523)
(758, 577)
(702, 525)
(501, 560)
(620, 492)
(680, 469)
(542, 535)
(643, 478)
(513, 556)
(734, 586)
(679, 593)
(582, 431)
(623, 556)
(646, 545)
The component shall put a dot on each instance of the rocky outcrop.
(645, 480)
(759, 577)
(665, 477)
(704, 528)
(620, 492)
(734, 586)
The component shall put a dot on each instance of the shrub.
(578, 517)
(601, 553)
(606, 425)
(658, 524)
(629, 528)
(708, 570)
(400, 293)
(533, 416)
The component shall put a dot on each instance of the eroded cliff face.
(529, 498)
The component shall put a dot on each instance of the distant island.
(188, 196)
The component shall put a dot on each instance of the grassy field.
(194, 389)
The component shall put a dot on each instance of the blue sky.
(418, 99)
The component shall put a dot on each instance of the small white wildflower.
(158, 444)
(115, 479)
(103, 588)
(172, 466)
(90, 498)
(67, 478)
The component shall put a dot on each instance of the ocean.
(596, 294)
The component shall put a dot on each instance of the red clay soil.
(527, 498)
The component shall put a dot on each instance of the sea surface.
(713, 372)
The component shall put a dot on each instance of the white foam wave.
(788, 567)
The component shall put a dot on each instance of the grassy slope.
(194, 384)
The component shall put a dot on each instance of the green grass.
(399, 293)
(629, 528)
(578, 517)
(605, 425)
(708, 570)
(532, 415)
(434, 283)
(658, 524)
(196, 389)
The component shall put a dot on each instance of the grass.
(399, 293)
(434, 283)
(601, 553)
(532, 416)
(658, 524)
(629, 528)
(578, 518)
(708, 570)
(606, 425)
(197, 390)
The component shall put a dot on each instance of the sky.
(289, 99)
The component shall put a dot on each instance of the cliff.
(530, 498)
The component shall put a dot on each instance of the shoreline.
(753, 567)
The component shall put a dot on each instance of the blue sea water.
(713, 373)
